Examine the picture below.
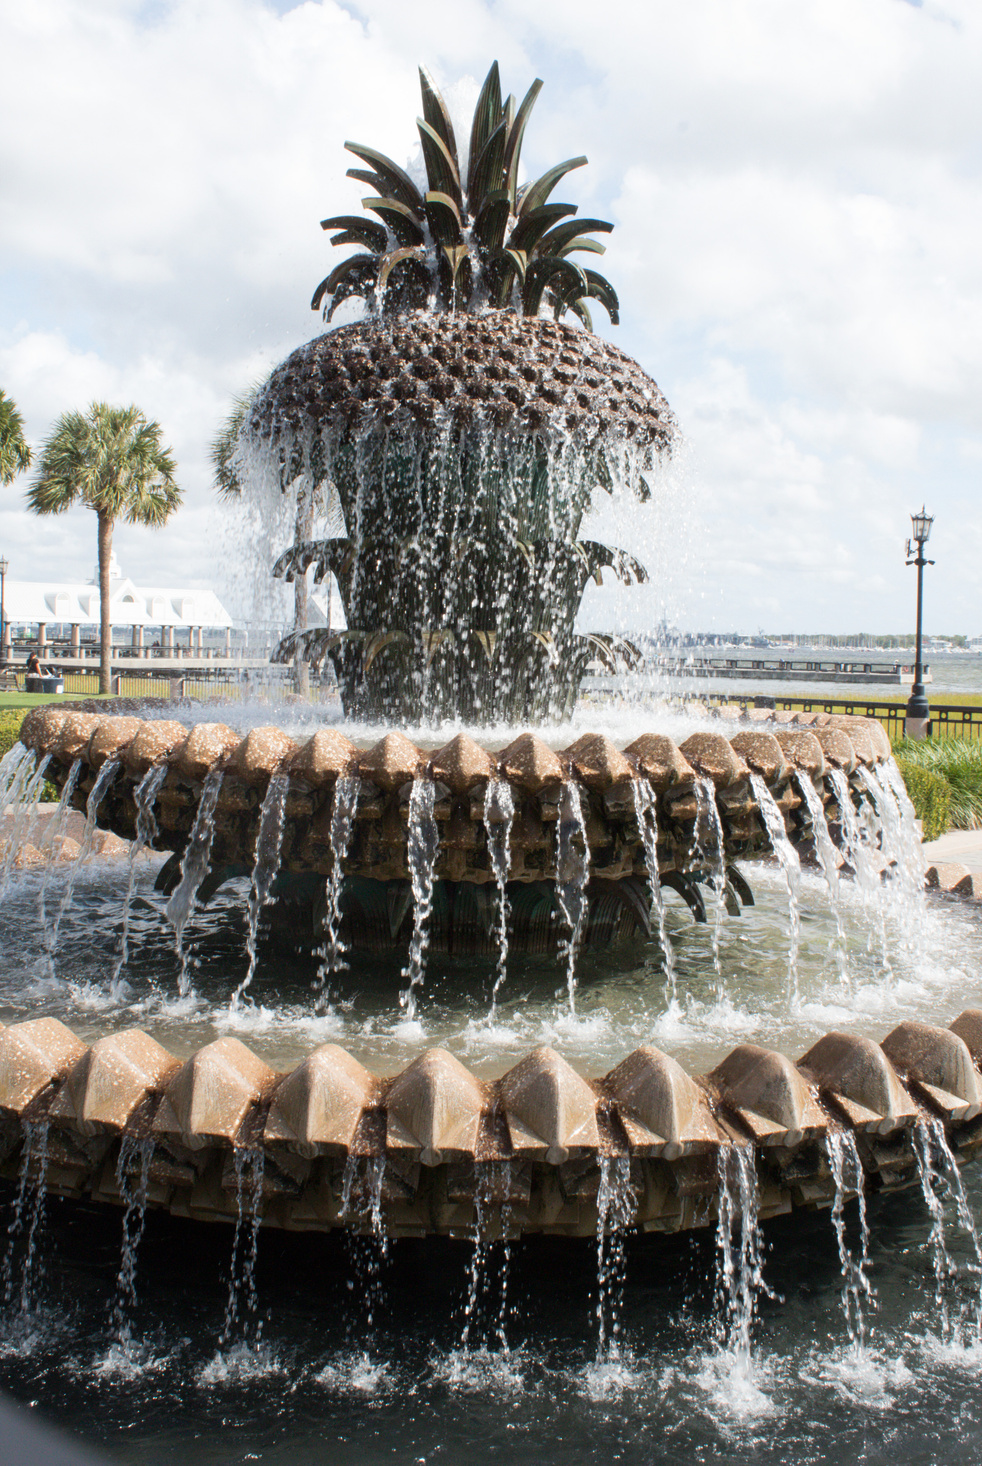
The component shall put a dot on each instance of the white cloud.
(796, 189)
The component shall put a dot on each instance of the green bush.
(959, 762)
(930, 794)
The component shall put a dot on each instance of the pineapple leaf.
(601, 289)
(584, 245)
(531, 227)
(515, 136)
(543, 187)
(435, 111)
(443, 219)
(581, 309)
(397, 257)
(441, 170)
(398, 183)
(356, 231)
(341, 272)
(492, 220)
(487, 174)
(403, 222)
(557, 239)
(487, 116)
(561, 277)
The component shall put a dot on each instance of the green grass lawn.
(32, 699)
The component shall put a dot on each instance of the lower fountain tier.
(526, 793)
(432, 1143)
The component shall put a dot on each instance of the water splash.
(23, 1231)
(861, 836)
(133, 1179)
(499, 816)
(343, 811)
(901, 847)
(940, 1177)
(422, 848)
(850, 1180)
(242, 1307)
(269, 842)
(145, 796)
(711, 851)
(616, 1210)
(104, 779)
(646, 812)
(194, 868)
(572, 877)
(791, 867)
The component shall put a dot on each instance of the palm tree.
(112, 460)
(15, 455)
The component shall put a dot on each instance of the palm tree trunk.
(105, 628)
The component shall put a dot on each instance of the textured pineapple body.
(499, 369)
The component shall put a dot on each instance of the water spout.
(269, 842)
(421, 852)
(499, 815)
(572, 877)
(646, 811)
(343, 813)
(194, 868)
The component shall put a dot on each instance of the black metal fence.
(946, 722)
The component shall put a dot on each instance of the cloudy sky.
(798, 253)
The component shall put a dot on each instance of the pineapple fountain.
(438, 458)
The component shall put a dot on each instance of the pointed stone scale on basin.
(111, 1080)
(34, 1057)
(211, 1095)
(550, 1110)
(859, 1079)
(434, 1110)
(663, 1111)
(317, 1108)
(769, 1096)
(939, 1063)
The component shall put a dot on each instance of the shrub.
(959, 762)
(930, 794)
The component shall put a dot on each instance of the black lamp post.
(3, 620)
(917, 722)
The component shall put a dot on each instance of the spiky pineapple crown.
(467, 243)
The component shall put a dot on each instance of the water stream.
(422, 848)
(269, 841)
(22, 1270)
(828, 858)
(145, 796)
(133, 1179)
(849, 1179)
(787, 857)
(572, 877)
(646, 812)
(499, 816)
(712, 852)
(194, 868)
(331, 953)
(616, 1210)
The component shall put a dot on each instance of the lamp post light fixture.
(4, 567)
(917, 723)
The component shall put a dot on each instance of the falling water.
(902, 846)
(499, 815)
(23, 793)
(849, 1179)
(492, 1183)
(243, 1300)
(103, 780)
(939, 1173)
(791, 866)
(269, 842)
(343, 813)
(53, 839)
(858, 840)
(572, 877)
(145, 796)
(10, 765)
(740, 1264)
(368, 1245)
(422, 848)
(133, 1179)
(194, 868)
(712, 852)
(646, 811)
(29, 1202)
(616, 1209)
(828, 858)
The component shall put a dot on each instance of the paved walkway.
(958, 847)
